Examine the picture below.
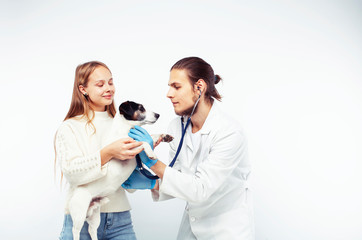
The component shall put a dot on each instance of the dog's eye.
(142, 109)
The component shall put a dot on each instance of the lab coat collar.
(206, 128)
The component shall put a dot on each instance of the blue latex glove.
(140, 134)
(138, 181)
(147, 161)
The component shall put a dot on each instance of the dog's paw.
(166, 138)
(151, 155)
(149, 152)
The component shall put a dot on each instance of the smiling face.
(99, 89)
(181, 92)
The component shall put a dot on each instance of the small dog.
(88, 198)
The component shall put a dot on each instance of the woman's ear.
(82, 90)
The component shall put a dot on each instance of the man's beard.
(188, 111)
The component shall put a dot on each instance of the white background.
(292, 76)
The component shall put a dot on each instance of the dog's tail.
(96, 203)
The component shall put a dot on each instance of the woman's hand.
(121, 149)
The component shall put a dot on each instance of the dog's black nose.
(157, 115)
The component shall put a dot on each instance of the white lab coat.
(214, 182)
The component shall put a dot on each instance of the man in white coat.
(211, 172)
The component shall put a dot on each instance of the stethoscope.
(149, 175)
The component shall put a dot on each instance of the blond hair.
(79, 105)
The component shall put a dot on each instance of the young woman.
(80, 154)
(211, 172)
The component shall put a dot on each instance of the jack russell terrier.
(87, 199)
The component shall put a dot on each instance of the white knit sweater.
(78, 154)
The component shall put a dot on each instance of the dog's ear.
(128, 109)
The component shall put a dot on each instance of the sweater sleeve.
(77, 168)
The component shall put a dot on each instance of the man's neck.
(198, 119)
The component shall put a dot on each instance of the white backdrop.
(292, 76)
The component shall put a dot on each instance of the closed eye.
(175, 85)
(141, 108)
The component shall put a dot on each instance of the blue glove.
(140, 134)
(147, 161)
(138, 181)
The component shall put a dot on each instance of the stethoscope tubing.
(149, 175)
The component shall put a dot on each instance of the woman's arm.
(79, 168)
(121, 149)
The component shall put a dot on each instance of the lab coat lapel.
(205, 130)
(188, 140)
(210, 120)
